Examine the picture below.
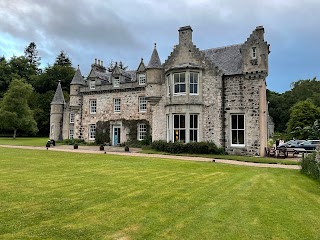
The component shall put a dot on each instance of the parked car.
(292, 144)
(310, 144)
(305, 144)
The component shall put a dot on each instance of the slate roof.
(228, 58)
(58, 96)
(77, 78)
(154, 60)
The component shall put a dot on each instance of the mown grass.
(233, 157)
(24, 141)
(59, 195)
(39, 142)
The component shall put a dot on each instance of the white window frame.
(142, 78)
(116, 81)
(194, 127)
(92, 84)
(142, 104)
(179, 84)
(93, 106)
(194, 84)
(254, 52)
(180, 128)
(168, 84)
(72, 115)
(71, 133)
(142, 131)
(237, 131)
(117, 105)
(92, 131)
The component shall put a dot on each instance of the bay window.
(179, 83)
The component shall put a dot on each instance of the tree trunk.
(14, 133)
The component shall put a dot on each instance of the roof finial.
(59, 81)
(141, 59)
(155, 45)
(78, 66)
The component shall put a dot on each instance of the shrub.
(192, 147)
(310, 165)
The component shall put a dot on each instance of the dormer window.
(254, 52)
(116, 81)
(92, 84)
(142, 79)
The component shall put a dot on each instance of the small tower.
(154, 77)
(56, 114)
(76, 83)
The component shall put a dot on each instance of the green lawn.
(59, 195)
(24, 141)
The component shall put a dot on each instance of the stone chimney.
(185, 36)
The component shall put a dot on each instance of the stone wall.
(129, 109)
(242, 96)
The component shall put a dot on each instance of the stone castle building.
(217, 94)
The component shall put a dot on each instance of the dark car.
(309, 144)
(292, 144)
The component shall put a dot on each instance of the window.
(254, 52)
(92, 131)
(142, 104)
(92, 84)
(116, 104)
(179, 128)
(237, 129)
(142, 131)
(142, 79)
(193, 128)
(71, 133)
(179, 83)
(116, 81)
(193, 83)
(71, 117)
(93, 106)
(168, 84)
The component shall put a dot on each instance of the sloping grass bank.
(59, 195)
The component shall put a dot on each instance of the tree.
(15, 113)
(5, 76)
(302, 116)
(61, 70)
(31, 53)
(63, 60)
(21, 68)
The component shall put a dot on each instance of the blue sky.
(127, 30)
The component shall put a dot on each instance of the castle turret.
(154, 77)
(56, 114)
(76, 83)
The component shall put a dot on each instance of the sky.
(126, 30)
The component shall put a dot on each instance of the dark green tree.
(63, 60)
(15, 113)
(5, 76)
(21, 68)
(61, 70)
(31, 53)
(302, 116)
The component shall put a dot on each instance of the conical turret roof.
(154, 60)
(77, 78)
(58, 96)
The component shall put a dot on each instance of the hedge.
(310, 165)
(191, 147)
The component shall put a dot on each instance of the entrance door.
(116, 135)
